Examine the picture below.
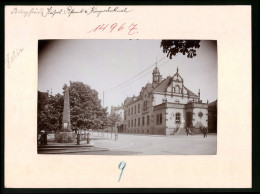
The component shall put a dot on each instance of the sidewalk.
(103, 144)
(59, 148)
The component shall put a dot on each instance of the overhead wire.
(133, 76)
(126, 84)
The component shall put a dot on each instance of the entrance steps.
(192, 131)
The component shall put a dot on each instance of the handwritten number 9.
(113, 26)
(121, 167)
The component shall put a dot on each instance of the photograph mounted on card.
(127, 96)
(91, 102)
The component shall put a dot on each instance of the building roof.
(156, 70)
(162, 87)
(190, 92)
(214, 103)
(128, 100)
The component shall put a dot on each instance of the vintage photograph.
(127, 97)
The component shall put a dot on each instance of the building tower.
(157, 78)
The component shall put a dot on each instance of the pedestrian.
(187, 130)
(205, 131)
(45, 138)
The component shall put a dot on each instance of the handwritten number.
(121, 27)
(121, 167)
(103, 27)
(100, 27)
(132, 27)
(113, 26)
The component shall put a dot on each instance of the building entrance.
(188, 119)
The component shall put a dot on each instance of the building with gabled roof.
(165, 106)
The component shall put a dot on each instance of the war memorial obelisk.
(66, 132)
(66, 126)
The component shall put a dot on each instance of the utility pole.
(103, 98)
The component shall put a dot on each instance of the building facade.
(164, 107)
(120, 111)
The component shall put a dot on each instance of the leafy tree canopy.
(50, 110)
(85, 107)
(186, 47)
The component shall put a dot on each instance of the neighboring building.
(120, 111)
(164, 107)
(212, 108)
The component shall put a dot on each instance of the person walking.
(205, 131)
(187, 130)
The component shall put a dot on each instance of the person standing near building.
(205, 131)
(187, 130)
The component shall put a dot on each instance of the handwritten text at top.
(67, 11)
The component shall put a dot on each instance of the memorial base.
(65, 137)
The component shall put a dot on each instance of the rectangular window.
(135, 122)
(138, 108)
(178, 118)
(160, 118)
(138, 121)
(148, 120)
(143, 121)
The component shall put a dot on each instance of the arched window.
(178, 118)
(177, 89)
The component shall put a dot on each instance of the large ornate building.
(165, 106)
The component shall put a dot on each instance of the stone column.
(66, 112)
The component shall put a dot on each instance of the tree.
(85, 108)
(186, 47)
(113, 118)
(50, 109)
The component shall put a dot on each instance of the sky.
(106, 64)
